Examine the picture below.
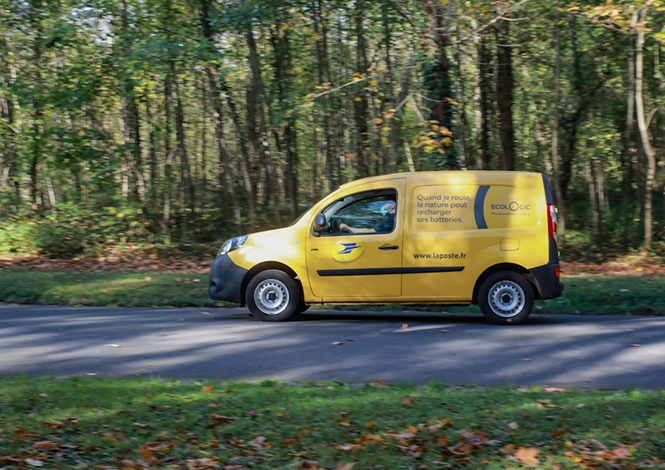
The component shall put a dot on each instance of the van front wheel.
(506, 298)
(273, 295)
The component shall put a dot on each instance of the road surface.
(229, 344)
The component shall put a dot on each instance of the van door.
(358, 255)
(443, 236)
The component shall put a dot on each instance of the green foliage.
(15, 236)
(72, 231)
(110, 104)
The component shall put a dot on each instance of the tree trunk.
(555, 129)
(187, 195)
(628, 139)
(37, 102)
(360, 100)
(439, 88)
(9, 166)
(323, 77)
(282, 47)
(483, 104)
(227, 170)
(649, 151)
(504, 94)
(260, 142)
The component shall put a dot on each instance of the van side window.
(366, 212)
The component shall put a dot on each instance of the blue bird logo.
(348, 248)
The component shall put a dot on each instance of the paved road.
(327, 345)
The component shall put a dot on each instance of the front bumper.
(225, 281)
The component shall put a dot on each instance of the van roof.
(482, 175)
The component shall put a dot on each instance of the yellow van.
(445, 237)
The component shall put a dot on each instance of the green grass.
(138, 423)
(614, 295)
(122, 289)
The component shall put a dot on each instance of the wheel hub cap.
(506, 299)
(271, 297)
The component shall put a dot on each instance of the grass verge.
(114, 288)
(148, 423)
(596, 294)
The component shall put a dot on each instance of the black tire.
(506, 298)
(303, 307)
(273, 295)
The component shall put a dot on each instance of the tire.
(506, 298)
(273, 295)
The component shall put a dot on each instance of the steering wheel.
(334, 226)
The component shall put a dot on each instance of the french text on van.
(439, 255)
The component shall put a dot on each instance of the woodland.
(184, 122)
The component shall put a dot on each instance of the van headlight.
(232, 244)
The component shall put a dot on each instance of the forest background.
(174, 124)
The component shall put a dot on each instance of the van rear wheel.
(506, 298)
(273, 295)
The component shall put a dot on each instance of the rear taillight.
(551, 221)
(557, 272)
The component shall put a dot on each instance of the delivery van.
(447, 237)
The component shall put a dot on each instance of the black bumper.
(548, 283)
(225, 281)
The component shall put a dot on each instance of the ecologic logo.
(513, 206)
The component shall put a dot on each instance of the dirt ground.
(633, 265)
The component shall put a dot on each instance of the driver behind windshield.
(385, 225)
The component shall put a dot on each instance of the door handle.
(388, 247)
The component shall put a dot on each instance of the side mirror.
(319, 224)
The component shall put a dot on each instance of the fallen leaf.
(54, 425)
(378, 383)
(621, 453)
(147, 278)
(348, 447)
(444, 331)
(208, 388)
(346, 466)
(527, 455)
(44, 445)
(259, 442)
(554, 390)
(404, 326)
(220, 419)
(407, 401)
(147, 456)
(513, 426)
(34, 462)
(599, 444)
(559, 432)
